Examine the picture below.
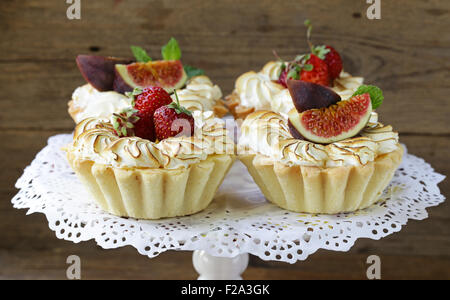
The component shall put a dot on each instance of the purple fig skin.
(119, 85)
(99, 70)
(294, 132)
(308, 95)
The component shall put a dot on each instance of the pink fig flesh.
(337, 122)
(168, 74)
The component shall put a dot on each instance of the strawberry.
(146, 102)
(319, 72)
(124, 121)
(138, 120)
(326, 53)
(144, 128)
(322, 65)
(334, 62)
(307, 68)
(128, 123)
(172, 120)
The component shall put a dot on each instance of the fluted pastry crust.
(147, 193)
(312, 189)
(302, 176)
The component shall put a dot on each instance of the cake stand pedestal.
(219, 268)
(237, 223)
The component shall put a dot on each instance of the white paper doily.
(238, 221)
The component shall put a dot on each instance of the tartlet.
(303, 176)
(134, 177)
(260, 91)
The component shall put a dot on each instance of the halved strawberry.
(173, 120)
(138, 120)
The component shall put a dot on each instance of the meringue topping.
(267, 133)
(95, 139)
(199, 94)
(91, 103)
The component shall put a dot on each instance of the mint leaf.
(192, 71)
(140, 54)
(376, 95)
(171, 51)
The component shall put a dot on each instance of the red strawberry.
(146, 103)
(334, 63)
(123, 122)
(144, 128)
(128, 123)
(149, 100)
(319, 73)
(172, 120)
(138, 120)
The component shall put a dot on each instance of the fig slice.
(99, 70)
(308, 95)
(340, 121)
(168, 74)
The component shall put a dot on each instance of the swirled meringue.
(260, 91)
(272, 70)
(199, 94)
(88, 102)
(256, 90)
(96, 140)
(267, 133)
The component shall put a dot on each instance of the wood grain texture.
(406, 53)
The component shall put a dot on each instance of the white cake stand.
(239, 222)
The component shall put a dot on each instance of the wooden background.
(406, 53)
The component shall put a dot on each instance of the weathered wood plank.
(39, 44)
(33, 25)
(34, 95)
(405, 53)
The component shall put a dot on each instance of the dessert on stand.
(240, 221)
(149, 154)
